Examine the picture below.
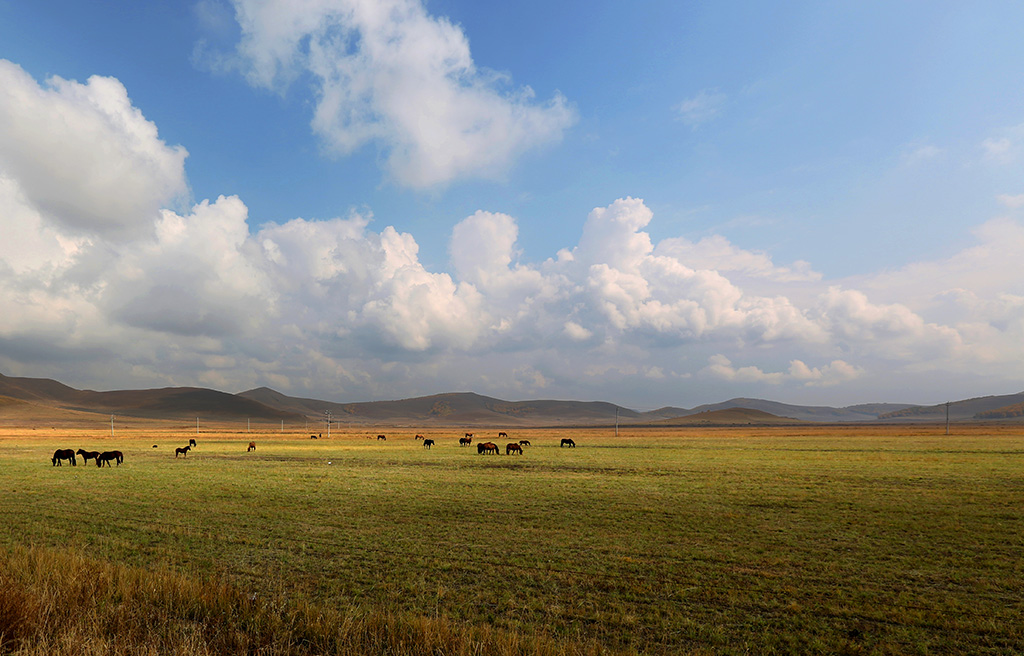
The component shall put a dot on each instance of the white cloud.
(390, 73)
(716, 253)
(917, 154)
(834, 373)
(1012, 201)
(701, 108)
(82, 155)
(330, 307)
(998, 150)
(720, 366)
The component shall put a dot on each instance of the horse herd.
(106, 457)
(101, 459)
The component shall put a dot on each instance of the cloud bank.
(102, 281)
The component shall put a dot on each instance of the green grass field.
(662, 541)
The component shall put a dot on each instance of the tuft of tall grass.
(58, 602)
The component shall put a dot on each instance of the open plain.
(774, 539)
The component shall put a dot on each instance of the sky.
(652, 203)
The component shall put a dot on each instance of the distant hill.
(1005, 412)
(976, 408)
(167, 402)
(728, 417)
(451, 408)
(824, 414)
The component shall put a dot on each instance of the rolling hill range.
(46, 399)
(170, 402)
(985, 407)
(727, 417)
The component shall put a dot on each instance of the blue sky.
(820, 202)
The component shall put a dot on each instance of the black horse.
(64, 454)
(567, 441)
(88, 455)
(107, 456)
(182, 451)
(191, 442)
(427, 443)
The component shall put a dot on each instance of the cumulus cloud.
(154, 295)
(392, 74)
(719, 366)
(716, 253)
(834, 373)
(82, 155)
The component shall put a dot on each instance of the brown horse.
(428, 443)
(64, 454)
(107, 456)
(182, 451)
(567, 441)
(487, 447)
(88, 455)
(252, 447)
(465, 441)
(525, 442)
(469, 435)
(382, 437)
(502, 434)
(513, 447)
(419, 437)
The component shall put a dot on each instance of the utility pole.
(111, 425)
(197, 425)
(616, 422)
(947, 417)
(327, 414)
(246, 424)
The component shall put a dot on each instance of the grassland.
(732, 540)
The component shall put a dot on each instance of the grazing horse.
(502, 434)
(64, 454)
(524, 442)
(419, 437)
(428, 443)
(191, 442)
(107, 456)
(182, 451)
(382, 437)
(487, 447)
(154, 446)
(513, 447)
(469, 435)
(88, 455)
(567, 441)
(252, 447)
(312, 437)
(465, 441)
